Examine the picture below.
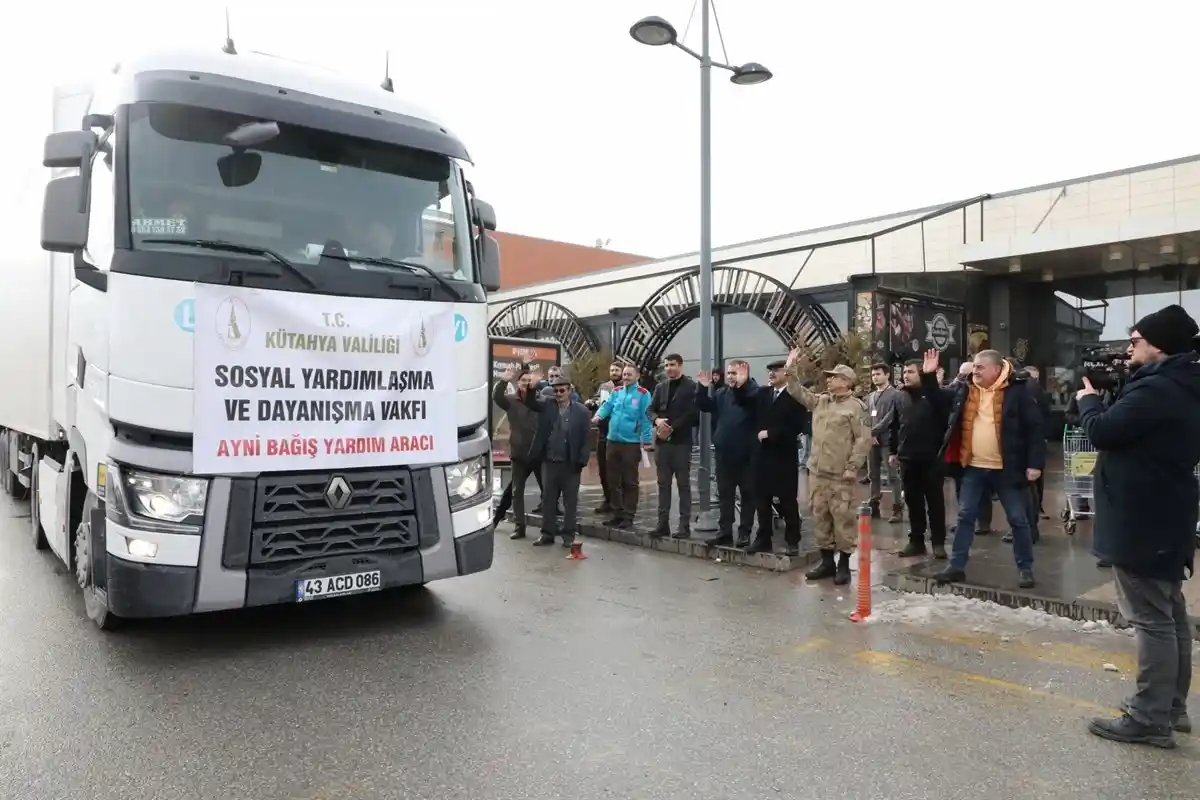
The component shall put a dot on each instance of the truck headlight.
(466, 481)
(153, 501)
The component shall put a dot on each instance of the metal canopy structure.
(545, 318)
(677, 302)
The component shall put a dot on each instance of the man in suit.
(673, 409)
(734, 443)
(779, 420)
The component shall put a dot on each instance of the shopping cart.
(1079, 462)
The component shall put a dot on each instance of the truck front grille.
(317, 514)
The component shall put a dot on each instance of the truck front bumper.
(156, 574)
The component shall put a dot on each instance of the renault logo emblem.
(338, 493)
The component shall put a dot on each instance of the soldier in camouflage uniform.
(841, 439)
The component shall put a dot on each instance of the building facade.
(1041, 273)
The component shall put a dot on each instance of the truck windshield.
(196, 173)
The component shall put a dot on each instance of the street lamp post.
(656, 32)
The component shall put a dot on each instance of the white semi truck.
(246, 363)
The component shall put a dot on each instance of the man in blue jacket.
(627, 411)
(1147, 505)
(735, 439)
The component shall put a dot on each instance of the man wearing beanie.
(1146, 514)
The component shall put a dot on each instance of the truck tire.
(36, 532)
(94, 603)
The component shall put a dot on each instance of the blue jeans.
(977, 487)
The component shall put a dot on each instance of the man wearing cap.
(565, 455)
(1145, 525)
(779, 420)
(841, 439)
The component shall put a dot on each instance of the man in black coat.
(673, 409)
(565, 451)
(526, 439)
(1147, 505)
(734, 442)
(779, 420)
(918, 428)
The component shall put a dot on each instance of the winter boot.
(842, 576)
(915, 547)
(826, 569)
(897, 513)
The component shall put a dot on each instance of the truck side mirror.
(485, 215)
(65, 215)
(489, 267)
(68, 149)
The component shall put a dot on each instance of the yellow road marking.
(815, 643)
(897, 665)
(1065, 655)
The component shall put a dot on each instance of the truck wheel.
(36, 531)
(94, 603)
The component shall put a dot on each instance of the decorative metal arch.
(677, 303)
(534, 316)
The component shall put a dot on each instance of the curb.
(1079, 610)
(695, 548)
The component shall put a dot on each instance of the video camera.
(1105, 369)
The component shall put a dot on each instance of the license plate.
(338, 585)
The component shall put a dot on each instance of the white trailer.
(188, 175)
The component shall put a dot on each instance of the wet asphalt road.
(629, 675)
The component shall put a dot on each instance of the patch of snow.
(980, 616)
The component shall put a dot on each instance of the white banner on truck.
(289, 381)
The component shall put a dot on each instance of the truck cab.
(252, 180)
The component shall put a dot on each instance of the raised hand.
(931, 362)
(704, 378)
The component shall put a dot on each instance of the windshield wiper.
(409, 265)
(234, 247)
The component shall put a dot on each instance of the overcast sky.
(580, 133)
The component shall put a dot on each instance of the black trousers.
(520, 474)
(673, 463)
(733, 478)
(923, 486)
(561, 482)
(778, 493)
(602, 466)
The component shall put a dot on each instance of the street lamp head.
(750, 74)
(654, 31)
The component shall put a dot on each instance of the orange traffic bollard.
(864, 564)
(576, 553)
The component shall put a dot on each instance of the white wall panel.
(1158, 198)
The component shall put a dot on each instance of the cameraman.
(1145, 526)
(1102, 371)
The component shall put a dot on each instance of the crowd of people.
(986, 430)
